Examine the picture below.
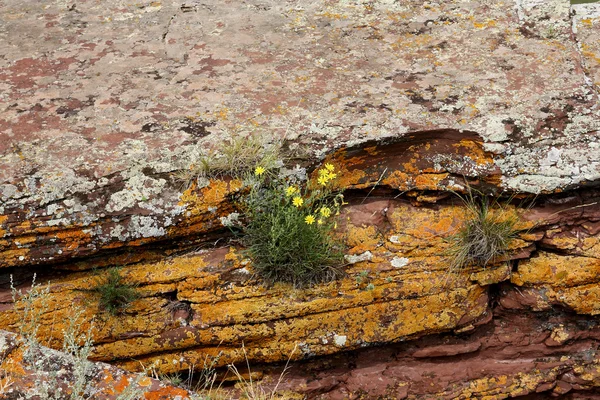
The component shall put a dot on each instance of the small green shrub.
(486, 235)
(113, 294)
(289, 229)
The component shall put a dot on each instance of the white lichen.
(231, 220)
(399, 262)
(340, 340)
(356, 258)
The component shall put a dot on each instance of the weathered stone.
(509, 357)
(228, 306)
(142, 88)
(21, 375)
(104, 107)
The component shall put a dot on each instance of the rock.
(505, 358)
(229, 307)
(104, 109)
(143, 88)
(21, 376)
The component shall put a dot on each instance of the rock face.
(103, 107)
(23, 374)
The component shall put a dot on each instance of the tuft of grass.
(485, 236)
(236, 157)
(289, 230)
(252, 390)
(114, 295)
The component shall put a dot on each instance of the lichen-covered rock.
(105, 108)
(27, 372)
(96, 123)
(225, 305)
(516, 354)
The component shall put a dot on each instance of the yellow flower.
(297, 201)
(329, 167)
(309, 219)
(290, 190)
(325, 211)
(322, 180)
(259, 171)
(323, 172)
(331, 176)
(320, 221)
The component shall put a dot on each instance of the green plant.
(289, 229)
(113, 294)
(362, 276)
(485, 236)
(30, 306)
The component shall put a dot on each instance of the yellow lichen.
(363, 239)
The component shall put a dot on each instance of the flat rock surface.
(90, 90)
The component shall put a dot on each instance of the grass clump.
(253, 390)
(114, 295)
(236, 157)
(289, 229)
(485, 236)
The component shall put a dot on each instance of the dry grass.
(485, 236)
(236, 157)
(253, 390)
(201, 382)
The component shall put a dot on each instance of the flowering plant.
(290, 228)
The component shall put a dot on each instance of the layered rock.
(420, 103)
(93, 126)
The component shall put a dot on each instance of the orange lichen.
(11, 257)
(73, 239)
(3, 219)
(121, 384)
(557, 270)
(349, 174)
(490, 276)
(475, 151)
(210, 196)
(363, 239)
(398, 179)
(166, 393)
(372, 151)
(414, 316)
(427, 223)
(429, 181)
(203, 207)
